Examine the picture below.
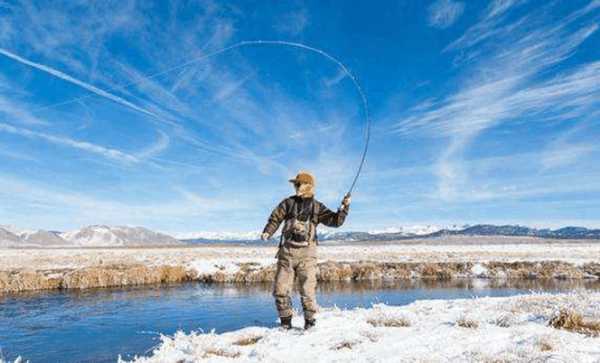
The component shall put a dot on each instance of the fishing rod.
(246, 43)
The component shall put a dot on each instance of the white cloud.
(161, 144)
(506, 83)
(293, 23)
(18, 112)
(339, 76)
(443, 13)
(65, 141)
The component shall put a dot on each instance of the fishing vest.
(300, 226)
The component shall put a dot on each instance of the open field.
(453, 257)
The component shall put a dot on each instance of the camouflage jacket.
(289, 206)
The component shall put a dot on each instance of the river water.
(97, 325)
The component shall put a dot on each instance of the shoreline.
(522, 328)
(48, 269)
(328, 271)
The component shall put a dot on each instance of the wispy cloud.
(161, 144)
(18, 112)
(70, 79)
(65, 141)
(506, 83)
(293, 23)
(443, 13)
(568, 148)
(332, 81)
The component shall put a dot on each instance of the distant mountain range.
(122, 236)
(91, 236)
(406, 233)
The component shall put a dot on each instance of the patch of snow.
(511, 329)
(15, 230)
(478, 270)
(18, 360)
(226, 266)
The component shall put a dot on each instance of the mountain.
(407, 233)
(91, 236)
(325, 234)
(522, 231)
(42, 238)
(218, 237)
(8, 238)
(119, 236)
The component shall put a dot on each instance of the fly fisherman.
(297, 255)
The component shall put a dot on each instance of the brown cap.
(304, 177)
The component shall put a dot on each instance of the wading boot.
(286, 322)
(309, 323)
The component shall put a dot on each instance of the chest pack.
(299, 229)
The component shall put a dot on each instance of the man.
(297, 255)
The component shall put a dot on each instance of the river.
(97, 325)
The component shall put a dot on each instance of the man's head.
(304, 183)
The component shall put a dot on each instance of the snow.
(16, 231)
(227, 266)
(511, 329)
(18, 360)
(219, 236)
(93, 236)
(416, 230)
(578, 253)
(479, 271)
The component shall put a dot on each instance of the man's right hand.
(265, 236)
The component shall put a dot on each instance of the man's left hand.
(346, 201)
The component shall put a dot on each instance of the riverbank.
(515, 258)
(525, 328)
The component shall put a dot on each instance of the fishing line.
(246, 43)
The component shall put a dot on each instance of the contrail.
(66, 77)
(241, 44)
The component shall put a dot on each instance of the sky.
(128, 112)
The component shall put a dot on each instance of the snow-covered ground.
(513, 329)
(34, 269)
(513, 250)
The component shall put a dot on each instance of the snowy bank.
(514, 329)
(31, 269)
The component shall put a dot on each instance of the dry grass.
(220, 353)
(437, 271)
(545, 346)
(393, 322)
(573, 321)
(248, 340)
(504, 321)
(344, 345)
(467, 323)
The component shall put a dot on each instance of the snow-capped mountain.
(91, 236)
(118, 236)
(11, 236)
(219, 236)
(324, 234)
(42, 238)
(8, 238)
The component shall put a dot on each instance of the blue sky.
(483, 112)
